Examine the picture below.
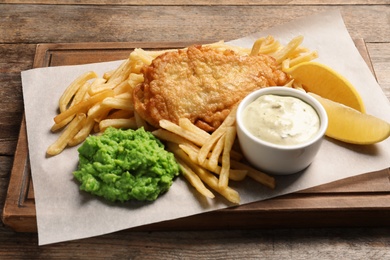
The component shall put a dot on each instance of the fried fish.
(202, 84)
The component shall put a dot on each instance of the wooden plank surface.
(366, 195)
(22, 26)
(199, 2)
(158, 23)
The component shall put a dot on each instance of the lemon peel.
(352, 126)
(324, 81)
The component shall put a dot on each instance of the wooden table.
(26, 23)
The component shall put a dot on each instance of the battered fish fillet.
(201, 84)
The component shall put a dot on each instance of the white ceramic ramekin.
(274, 158)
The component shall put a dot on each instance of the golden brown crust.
(202, 84)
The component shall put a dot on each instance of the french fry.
(117, 103)
(215, 154)
(97, 88)
(172, 137)
(124, 96)
(136, 64)
(61, 124)
(107, 74)
(186, 124)
(257, 175)
(194, 179)
(168, 125)
(229, 193)
(228, 144)
(142, 55)
(98, 111)
(121, 73)
(151, 55)
(192, 152)
(123, 87)
(95, 85)
(205, 175)
(303, 58)
(265, 45)
(124, 123)
(256, 46)
(286, 50)
(83, 133)
(84, 105)
(98, 81)
(237, 175)
(80, 94)
(270, 48)
(71, 130)
(222, 46)
(71, 90)
(262, 178)
(140, 122)
(135, 79)
(209, 143)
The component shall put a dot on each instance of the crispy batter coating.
(201, 84)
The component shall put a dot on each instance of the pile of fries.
(210, 158)
(90, 104)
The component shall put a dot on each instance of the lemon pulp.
(352, 126)
(320, 79)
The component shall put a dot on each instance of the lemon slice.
(324, 81)
(352, 126)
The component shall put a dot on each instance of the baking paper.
(65, 213)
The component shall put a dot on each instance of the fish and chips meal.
(187, 100)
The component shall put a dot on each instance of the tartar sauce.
(282, 120)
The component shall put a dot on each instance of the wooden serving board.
(363, 200)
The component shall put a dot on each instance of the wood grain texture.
(338, 243)
(198, 2)
(68, 23)
(25, 23)
(13, 59)
(380, 57)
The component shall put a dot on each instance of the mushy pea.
(122, 165)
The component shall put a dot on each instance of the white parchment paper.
(64, 213)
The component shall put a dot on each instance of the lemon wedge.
(319, 79)
(352, 126)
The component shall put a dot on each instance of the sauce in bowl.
(282, 120)
(283, 115)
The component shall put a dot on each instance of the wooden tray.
(363, 200)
